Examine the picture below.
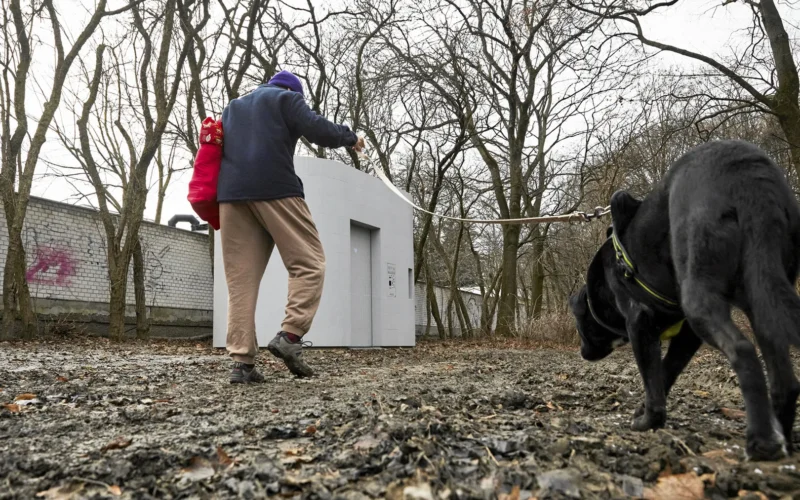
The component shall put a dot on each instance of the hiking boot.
(291, 353)
(245, 374)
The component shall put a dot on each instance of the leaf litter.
(440, 421)
(117, 444)
(199, 468)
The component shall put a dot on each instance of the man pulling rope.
(259, 204)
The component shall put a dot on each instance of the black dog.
(721, 229)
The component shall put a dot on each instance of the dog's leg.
(772, 328)
(681, 350)
(783, 385)
(647, 350)
(709, 315)
(775, 316)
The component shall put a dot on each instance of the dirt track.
(160, 420)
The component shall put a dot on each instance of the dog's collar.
(672, 331)
(667, 334)
(630, 272)
(619, 331)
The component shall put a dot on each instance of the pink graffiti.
(46, 258)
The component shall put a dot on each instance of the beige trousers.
(249, 231)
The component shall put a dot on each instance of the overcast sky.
(700, 25)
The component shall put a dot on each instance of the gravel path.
(87, 418)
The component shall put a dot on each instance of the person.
(262, 205)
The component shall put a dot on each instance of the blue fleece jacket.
(261, 133)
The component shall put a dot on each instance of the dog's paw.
(639, 412)
(765, 450)
(647, 420)
(772, 447)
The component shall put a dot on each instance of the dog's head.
(596, 341)
(601, 325)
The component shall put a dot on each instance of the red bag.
(203, 186)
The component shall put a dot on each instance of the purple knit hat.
(288, 80)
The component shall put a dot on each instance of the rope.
(597, 213)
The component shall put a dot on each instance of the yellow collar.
(672, 331)
(631, 273)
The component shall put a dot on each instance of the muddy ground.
(88, 418)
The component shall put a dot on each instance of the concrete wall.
(338, 195)
(68, 275)
(473, 302)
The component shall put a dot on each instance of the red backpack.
(203, 186)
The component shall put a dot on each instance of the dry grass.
(551, 329)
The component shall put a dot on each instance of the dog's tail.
(770, 266)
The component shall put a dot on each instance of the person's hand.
(359, 146)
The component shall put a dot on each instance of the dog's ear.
(595, 275)
(609, 230)
(623, 209)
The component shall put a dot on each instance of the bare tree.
(138, 90)
(441, 157)
(238, 53)
(317, 53)
(765, 72)
(341, 56)
(633, 152)
(503, 61)
(19, 163)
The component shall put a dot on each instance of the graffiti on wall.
(66, 258)
(53, 263)
(52, 266)
(156, 279)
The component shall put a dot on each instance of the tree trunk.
(488, 304)
(9, 298)
(26, 309)
(16, 295)
(507, 305)
(455, 293)
(537, 278)
(790, 123)
(142, 321)
(427, 319)
(785, 101)
(433, 306)
(419, 250)
(492, 314)
(116, 304)
(537, 291)
(451, 331)
(525, 300)
(427, 223)
(463, 317)
(486, 321)
(485, 324)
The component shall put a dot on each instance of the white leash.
(573, 217)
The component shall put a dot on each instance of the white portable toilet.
(367, 235)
